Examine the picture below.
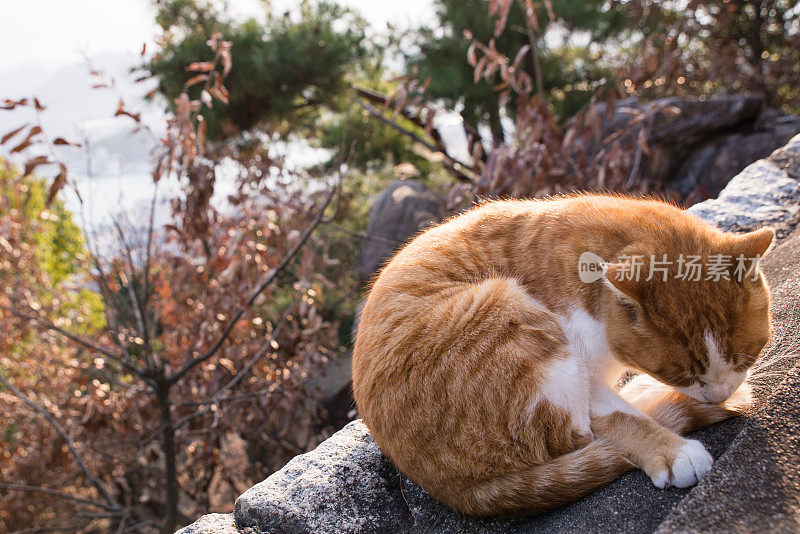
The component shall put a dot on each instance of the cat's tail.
(539, 488)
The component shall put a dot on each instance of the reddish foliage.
(199, 384)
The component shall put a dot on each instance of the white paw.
(691, 464)
(661, 479)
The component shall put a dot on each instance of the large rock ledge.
(347, 485)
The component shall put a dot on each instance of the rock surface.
(400, 211)
(347, 485)
(214, 523)
(678, 126)
(706, 143)
(766, 193)
(710, 167)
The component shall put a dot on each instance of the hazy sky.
(55, 32)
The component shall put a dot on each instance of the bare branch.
(537, 69)
(109, 302)
(380, 99)
(457, 168)
(139, 311)
(189, 365)
(112, 504)
(262, 351)
(218, 395)
(55, 493)
(139, 526)
(365, 236)
(75, 527)
(46, 324)
(145, 283)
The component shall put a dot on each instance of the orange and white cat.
(487, 370)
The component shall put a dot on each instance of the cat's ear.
(754, 244)
(619, 278)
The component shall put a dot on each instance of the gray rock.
(398, 213)
(344, 485)
(699, 118)
(697, 151)
(765, 193)
(674, 138)
(347, 485)
(710, 167)
(216, 523)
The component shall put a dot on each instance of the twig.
(457, 168)
(260, 354)
(112, 504)
(139, 311)
(138, 526)
(49, 325)
(637, 158)
(537, 69)
(254, 360)
(55, 493)
(189, 365)
(367, 237)
(145, 283)
(380, 99)
(109, 302)
(218, 395)
(75, 527)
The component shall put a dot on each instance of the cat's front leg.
(667, 458)
(678, 412)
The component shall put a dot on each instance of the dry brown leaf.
(200, 66)
(11, 104)
(227, 61)
(11, 134)
(642, 142)
(60, 141)
(33, 132)
(32, 163)
(59, 182)
(195, 80)
(122, 111)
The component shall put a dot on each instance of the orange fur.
(466, 370)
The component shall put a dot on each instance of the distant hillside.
(77, 111)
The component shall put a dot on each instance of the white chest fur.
(570, 380)
(588, 345)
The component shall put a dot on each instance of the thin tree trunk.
(534, 53)
(168, 446)
(469, 124)
(755, 34)
(496, 125)
(757, 46)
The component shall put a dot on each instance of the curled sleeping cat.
(487, 370)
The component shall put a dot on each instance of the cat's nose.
(717, 394)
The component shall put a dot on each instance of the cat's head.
(700, 336)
